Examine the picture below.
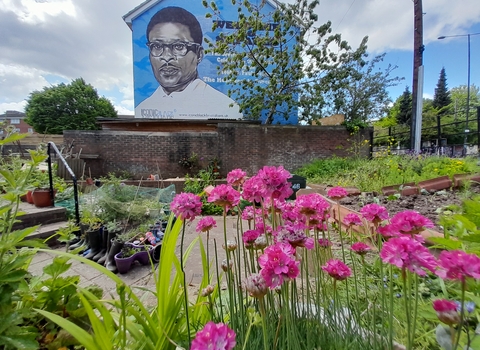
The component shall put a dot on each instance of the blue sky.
(45, 42)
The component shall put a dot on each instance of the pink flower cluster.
(337, 193)
(374, 213)
(186, 206)
(294, 234)
(224, 196)
(274, 182)
(236, 177)
(337, 269)
(352, 219)
(278, 264)
(457, 265)
(446, 311)
(408, 253)
(360, 248)
(205, 224)
(256, 285)
(249, 237)
(214, 337)
(311, 205)
(410, 222)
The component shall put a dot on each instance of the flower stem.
(185, 294)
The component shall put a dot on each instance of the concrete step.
(36, 216)
(46, 231)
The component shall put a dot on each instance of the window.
(30, 130)
(15, 121)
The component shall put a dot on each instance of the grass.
(373, 174)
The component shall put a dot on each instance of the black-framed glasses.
(178, 48)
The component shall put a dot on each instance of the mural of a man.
(175, 44)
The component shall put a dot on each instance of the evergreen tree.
(405, 111)
(442, 95)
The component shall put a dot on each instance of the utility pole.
(418, 49)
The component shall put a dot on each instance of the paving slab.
(142, 275)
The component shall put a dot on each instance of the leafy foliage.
(73, 106)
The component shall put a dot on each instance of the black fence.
(454, 139)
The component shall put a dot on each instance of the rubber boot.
(110, 235)
(103, 245)
(77, 245)
(114, 250)
(95, 240)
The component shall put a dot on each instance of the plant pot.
(29, 197)
(41, 197)
(124, 264)
(142, 256)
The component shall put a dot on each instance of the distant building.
(16, 119)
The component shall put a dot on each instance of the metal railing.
(51, 146)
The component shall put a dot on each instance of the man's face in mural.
(173, 55)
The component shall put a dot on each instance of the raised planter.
(436, 184)
(389, 190)
(459, 180)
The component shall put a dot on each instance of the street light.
(468, 78)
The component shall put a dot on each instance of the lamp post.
(468, 78)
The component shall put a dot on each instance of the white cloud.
(12, 106)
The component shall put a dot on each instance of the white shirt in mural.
(198, 101)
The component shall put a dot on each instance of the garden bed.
(429, 205)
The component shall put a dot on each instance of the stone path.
(142, 275)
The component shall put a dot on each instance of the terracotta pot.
(41, 197)
(29, 197)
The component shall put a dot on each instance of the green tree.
(73, 106)
(276, 59)
(405, 107)
(357, 88)
(441, 98)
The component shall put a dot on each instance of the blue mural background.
(144, 81)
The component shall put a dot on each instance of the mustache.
(167, 65)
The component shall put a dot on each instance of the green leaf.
(82, 336)
(447, 243)
(58, 266)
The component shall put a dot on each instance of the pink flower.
(360, 248)
(250, 236)
(252, 189)
(206, 224)
(224, 196)
(337, 193)
(295, 235)
(388, 230)
(374, 213)
(214, 337)
(352, 219)
(256, 285)
(311, 204)
(236, 177)
(275, 182)
(408, 253)
(337, 269)
(324, 243)
(278, 264)
(446, 311)
(457, 265)
(410, 222)
(186, 206)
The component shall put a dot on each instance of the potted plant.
(129, 254)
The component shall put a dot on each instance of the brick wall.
(249, 147)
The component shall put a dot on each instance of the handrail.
(72, 174)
